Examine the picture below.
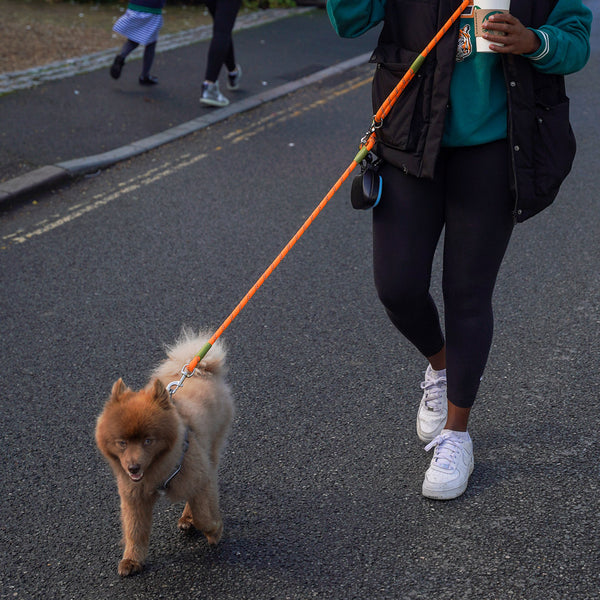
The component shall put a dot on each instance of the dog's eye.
(148, 441)
(122, 444)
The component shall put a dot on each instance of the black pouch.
(366, 187)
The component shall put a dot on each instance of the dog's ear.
(160, 395)
(118, 388)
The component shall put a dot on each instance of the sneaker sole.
(449, 494)
(213, 102)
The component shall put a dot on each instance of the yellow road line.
(168, 168)
(99, 200)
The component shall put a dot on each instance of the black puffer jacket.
(541, 141)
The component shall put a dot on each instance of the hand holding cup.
(507, 35)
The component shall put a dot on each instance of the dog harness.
(186, 443)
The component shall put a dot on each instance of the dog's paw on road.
(129, 567)
(214, 536)
(185, 523)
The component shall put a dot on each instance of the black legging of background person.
(220, 51)
(129, 46)
(469, 196)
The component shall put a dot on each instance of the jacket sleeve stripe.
(544, 49)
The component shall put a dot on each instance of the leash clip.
(375, 125)
(175, 385)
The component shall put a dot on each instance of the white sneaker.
(212, 96)
(433, 410)
(451, 465)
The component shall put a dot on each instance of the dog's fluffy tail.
(185, 348)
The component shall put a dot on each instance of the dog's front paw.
(215, 534)
(129, 567)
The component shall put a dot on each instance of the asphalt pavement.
(87, 121)
(321, 478)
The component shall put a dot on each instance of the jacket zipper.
(510, 83)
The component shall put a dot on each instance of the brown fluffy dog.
(156, 443)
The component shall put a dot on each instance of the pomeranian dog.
(160, 443)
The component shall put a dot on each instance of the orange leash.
(367, 143)
(391, 99)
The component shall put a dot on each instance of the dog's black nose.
(134, 469)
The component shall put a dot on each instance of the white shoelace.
(434, 392)
(447, 448)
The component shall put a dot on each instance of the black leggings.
(469, 196)
(220, 51)
(129, 46)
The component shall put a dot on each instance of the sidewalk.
(85, 121)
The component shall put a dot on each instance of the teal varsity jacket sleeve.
(565, 39)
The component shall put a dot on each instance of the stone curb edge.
(54, 174)
(62, 69)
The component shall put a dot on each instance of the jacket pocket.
(404, 126)
(554, 148)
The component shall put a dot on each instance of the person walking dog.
(140, 25)
(479, 141)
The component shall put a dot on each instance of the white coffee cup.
(482, 10)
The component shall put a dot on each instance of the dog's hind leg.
(206, 515)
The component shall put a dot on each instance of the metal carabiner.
(175, 385)
(375, 125)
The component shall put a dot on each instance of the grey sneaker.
(451, 465)
(433, 410)
(233, 78)
(212, 96)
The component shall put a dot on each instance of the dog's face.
(136, 428)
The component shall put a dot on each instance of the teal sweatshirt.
(478, 110)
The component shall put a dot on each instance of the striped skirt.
(140, 27)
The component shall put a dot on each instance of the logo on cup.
(486, 16)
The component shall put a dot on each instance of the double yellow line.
(155, 174)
